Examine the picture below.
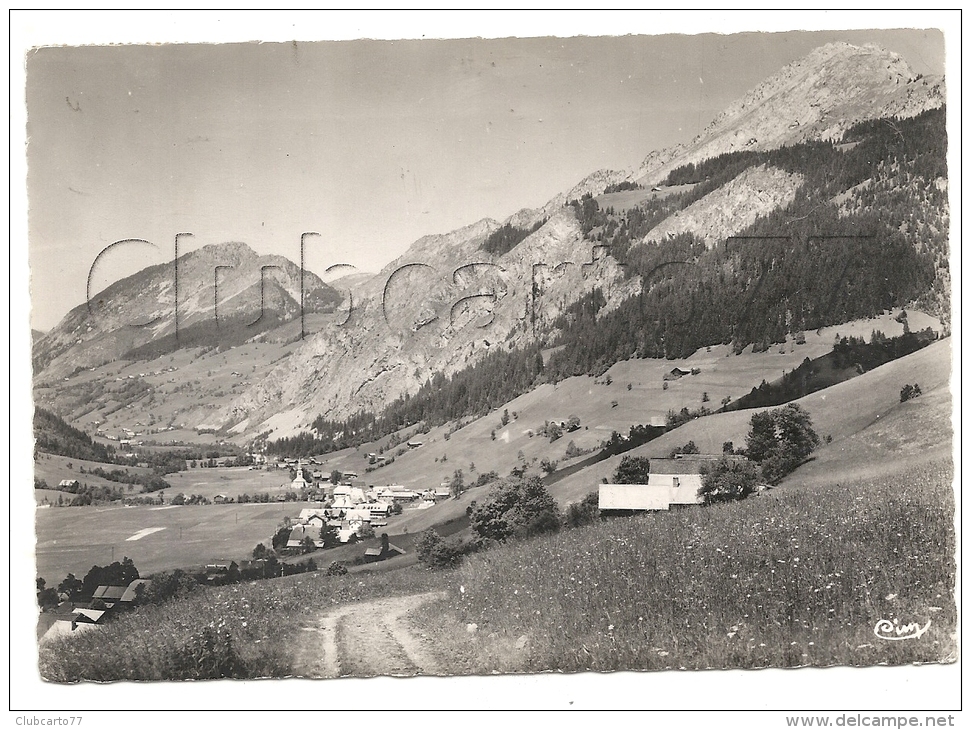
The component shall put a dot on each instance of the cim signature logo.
(895, 631)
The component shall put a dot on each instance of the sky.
(371, 143)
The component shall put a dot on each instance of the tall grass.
(781, 580)
(795, 577)
(243, 631)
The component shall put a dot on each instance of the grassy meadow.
(791, 578)
(72, 539)
(795, 577)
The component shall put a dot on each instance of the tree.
(548, 466)
(573, 423)
(366, 531)
(728, 447)
(689, 448)
(71, 586)
(780, 440)
(632, 470)
(909, 391)
(435, 551)
(336, 568)
(457, 485)
(585, 512)
(281, 538)
(728, 480)
(259, 552)
(335, 477)
(329, 536)
(308, 545)
(516, 508)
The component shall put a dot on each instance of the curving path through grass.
(365, 640)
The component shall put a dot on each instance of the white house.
(670, 482)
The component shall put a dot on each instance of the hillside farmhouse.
(670, 483)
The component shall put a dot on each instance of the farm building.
(109, 594)
(301, 532)
(220, 499)
(677, 373)
(88, 615)
(638, 497)
(671, 482)
(307, 514)
(67, 626)
(69, 484)
(376, 554)
(131, 592)
(351, 494)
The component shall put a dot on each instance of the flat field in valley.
(72, 539)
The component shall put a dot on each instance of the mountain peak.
(817, 97)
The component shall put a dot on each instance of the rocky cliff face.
(733, 207)
(447, 302)
(817, 97)
(439, 308)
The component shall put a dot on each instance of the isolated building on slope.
(671, 482)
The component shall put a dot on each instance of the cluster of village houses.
(351, 510)
(108, 599)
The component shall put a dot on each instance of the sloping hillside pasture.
(796, 578)
(722, 374)
(229, 480)
(53, 468)
(839, 411)
(630, 198)
(72, 539)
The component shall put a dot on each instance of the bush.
(633, 470)
(584, 512)
(516, 508)
(211, 654)
(435, 551)
(336, 568)
(689, 448)
(728, 480)
(909, 392)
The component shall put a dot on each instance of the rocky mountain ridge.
(227, 288)
(446, 302)
(814, 98)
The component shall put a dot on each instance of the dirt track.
(366, 640)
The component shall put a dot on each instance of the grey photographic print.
(595, 357)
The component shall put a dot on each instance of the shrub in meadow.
(516, 508)
(728, 480)
(435, 551)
